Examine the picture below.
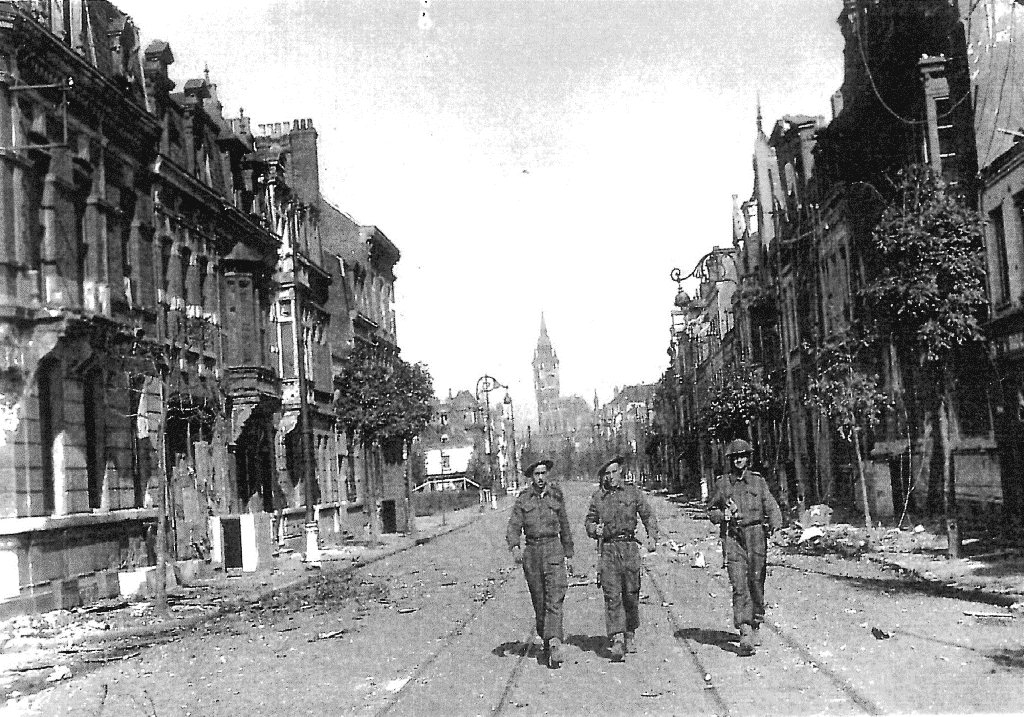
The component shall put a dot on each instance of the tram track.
(716, 696)
(447, 641)
(711, 692)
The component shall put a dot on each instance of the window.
(95, 436)
(1001, 275)
(446, 462)
(444, 418)
(444, 438)
(50, 426)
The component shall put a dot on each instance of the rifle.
(600, 551)
(730, 505)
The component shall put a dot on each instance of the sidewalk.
(35, 646)
(992, 572)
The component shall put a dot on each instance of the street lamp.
(690, 320)
(487, 384)
(514, 459)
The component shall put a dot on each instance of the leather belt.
(620, 539)
(540, 539)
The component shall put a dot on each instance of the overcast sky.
(526, 155)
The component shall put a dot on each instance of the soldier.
(741, 504)
(539, 512)
(611, 520)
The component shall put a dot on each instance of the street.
(445, 628)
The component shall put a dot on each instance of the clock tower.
(545, 378)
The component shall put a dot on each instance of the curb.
(236, 602)
(944, 589)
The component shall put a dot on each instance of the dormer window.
(444, 419)
(444, 438)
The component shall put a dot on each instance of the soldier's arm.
(771, 507)
(592, 519)
(515, 525)
(564, 531)
(716, 505)
(647, 515)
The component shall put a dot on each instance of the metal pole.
(312, 529)
(161, 513)
(515, 450)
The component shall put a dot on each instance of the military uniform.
(744, 540)
(542, 518)
(616, 509)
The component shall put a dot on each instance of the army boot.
(618, 650)
(630, 641)
(555, 652)
(746, 640)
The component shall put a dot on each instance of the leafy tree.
(740, 398)
(928, 294)
(380, 397)
(849, 396)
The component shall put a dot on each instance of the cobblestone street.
(445, 628)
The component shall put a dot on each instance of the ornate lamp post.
(487, 384)
(710, 269)
(514, 457)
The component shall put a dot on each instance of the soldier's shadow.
(597, 644)
(726, 641)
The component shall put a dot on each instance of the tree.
(740, 398)
(849, 396)
(928, 295)
(380, 397)
(414, 391)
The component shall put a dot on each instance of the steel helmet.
(738, 447)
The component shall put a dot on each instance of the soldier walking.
(741, 504)
(539, 512)
(611, 520)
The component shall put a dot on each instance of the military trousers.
(620, 582)
(544, 567)
(745, 551)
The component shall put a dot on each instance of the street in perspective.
(519, 357)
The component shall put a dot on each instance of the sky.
(526, 156)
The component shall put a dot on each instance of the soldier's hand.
(569, 568)
(652, 545)
(517, 555)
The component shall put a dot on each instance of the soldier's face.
(613, 474)
(740, 461)
(540, 477)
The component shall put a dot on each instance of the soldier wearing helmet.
(741, 504)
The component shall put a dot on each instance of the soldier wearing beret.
(539, 513)
(611, 520)
(741, 504)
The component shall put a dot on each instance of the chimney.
(304, 165)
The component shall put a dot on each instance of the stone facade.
(162, 280)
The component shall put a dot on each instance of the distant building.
(452, 445)
(624, 422)
(565, 423)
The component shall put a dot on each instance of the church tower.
(545, 378)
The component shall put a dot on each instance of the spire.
(543, 341)
(760, 129)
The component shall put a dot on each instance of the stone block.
(66, 593)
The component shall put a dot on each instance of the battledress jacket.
(617, 509)
(755, 503)
(540, 517)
